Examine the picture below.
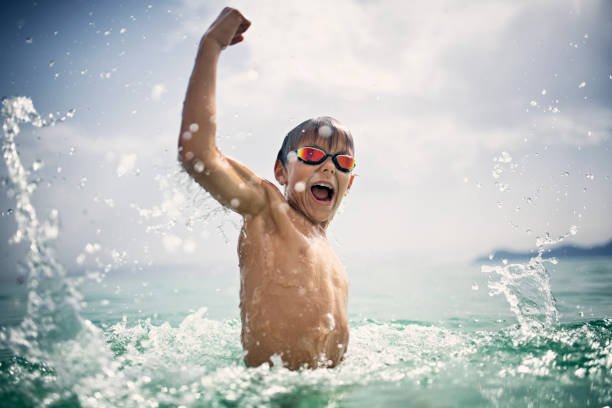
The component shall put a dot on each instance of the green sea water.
(535, 333)
(164, 337)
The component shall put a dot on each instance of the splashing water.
(60, 358)
(52, 331)
(48, 290)
(526, 287)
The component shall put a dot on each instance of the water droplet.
(72, 151)
(491, 256)
(37, 165)
(300, 186)
(503, 187)
(51, 63)
(198, 166)
(107, 32)
(590, 176)
(188, 155)
(466, 180)
(528, 231)
(504, 157)
(505, 261)
(565, 173)
(194, 127)
(122, 31)
(83, 182)
(543, 91)
(29, 40)
(533, 103)
(582, 84)
(325, 131)
(475, 286)
(186, 135)
(291, 157)
(573, 230)
(499, 204)
(235, 203)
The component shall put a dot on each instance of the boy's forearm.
(198, 125)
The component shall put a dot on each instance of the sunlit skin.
(293, 293)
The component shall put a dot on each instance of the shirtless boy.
(293, 287)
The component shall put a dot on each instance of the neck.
(316, 226)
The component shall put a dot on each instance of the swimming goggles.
(315, 155)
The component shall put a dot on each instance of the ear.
(280, 173)
(350, 183)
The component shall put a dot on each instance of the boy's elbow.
(195, 159)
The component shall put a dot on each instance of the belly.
(304, 329)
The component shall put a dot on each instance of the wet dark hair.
(309, 129)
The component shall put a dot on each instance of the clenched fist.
(227, 29)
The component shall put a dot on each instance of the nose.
(328, 166)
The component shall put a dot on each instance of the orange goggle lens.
(314, 155)
(310, 154)
(345, 161)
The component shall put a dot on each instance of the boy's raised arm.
(227, 180)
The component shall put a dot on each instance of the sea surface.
(536, 333)
(172, 338)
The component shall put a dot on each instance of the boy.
(293, 288)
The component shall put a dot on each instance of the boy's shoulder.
(272, 191)
(277, 210)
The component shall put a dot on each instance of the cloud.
(431, 90)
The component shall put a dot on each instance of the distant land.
(562, 251)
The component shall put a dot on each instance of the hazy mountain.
(562, 251)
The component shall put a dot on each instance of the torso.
(293, 291)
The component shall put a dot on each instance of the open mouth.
(322, 193)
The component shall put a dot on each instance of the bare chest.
(294, 261)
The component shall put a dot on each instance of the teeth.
(324, 185)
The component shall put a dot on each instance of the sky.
(478, 125)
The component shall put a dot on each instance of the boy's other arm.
(227, 180)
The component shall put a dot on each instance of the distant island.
(562, 251)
